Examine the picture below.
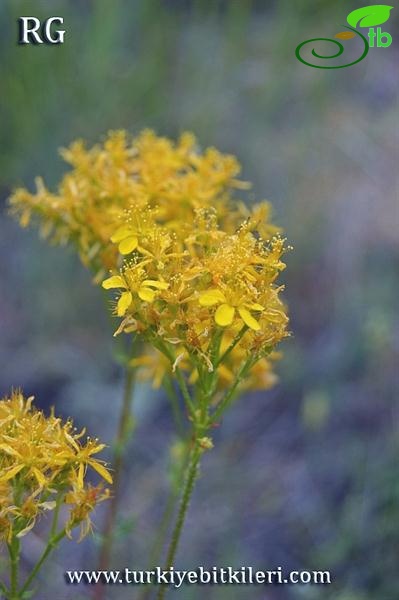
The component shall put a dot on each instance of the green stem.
(14, 551)
(174, 401)
(232, 346)
(246, 365)
(181, 516)
(4, 589)
(164, 526)
(120, 444)
(179, 376)
(54, 524)
(53, 541)
(184, 390)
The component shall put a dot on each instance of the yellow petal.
(121, 233)
(11, 473)
(39, 476)
(255, 306)
(96, 449)
(101, 470)
(146, 294)
(123, 303)
(276, 316)
(211, 297)
(113, 282)
(6, 448)
(128, 244)
(160, 285)
(248, 319)
(26, 529)
(81, 475)
(224, 315)
(71, 441)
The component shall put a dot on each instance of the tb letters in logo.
(32, 31)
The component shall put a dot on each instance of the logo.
(367, 17)
(31, 31)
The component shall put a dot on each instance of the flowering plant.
(123, 174)
(43, 471)
(193, 269)
(210, 305)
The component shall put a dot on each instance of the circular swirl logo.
(339, 47)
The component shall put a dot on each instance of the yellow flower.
(164, 218)
(226, 311)
(127, 239)
(130, 176)
(41, 459)
(217, 282)
(82, 502)
(83, 457)
(146, 291)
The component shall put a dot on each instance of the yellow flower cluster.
(125, 176)
(43, 463)
(208, 301)
(197, 258)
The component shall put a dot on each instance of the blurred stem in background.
(125, 427)
(180, 454)
(192, 473)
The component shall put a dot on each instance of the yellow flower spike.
(173, 211)
(45, 458)
(115, 190)
(113, 282)
(211, 297)
(248, 319)
(127, 245)
(224, 315)
(123, 303)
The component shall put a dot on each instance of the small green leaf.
(369, 16)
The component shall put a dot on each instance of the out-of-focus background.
(304, 476)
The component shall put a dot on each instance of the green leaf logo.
(369, 16)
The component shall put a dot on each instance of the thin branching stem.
(4, 589)
(120, 444)
(166, 520)
(14, 552)
(179, 376)
(52, 543)
(229, 396)
(233, 344)
(174, 402)
(191, 477)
